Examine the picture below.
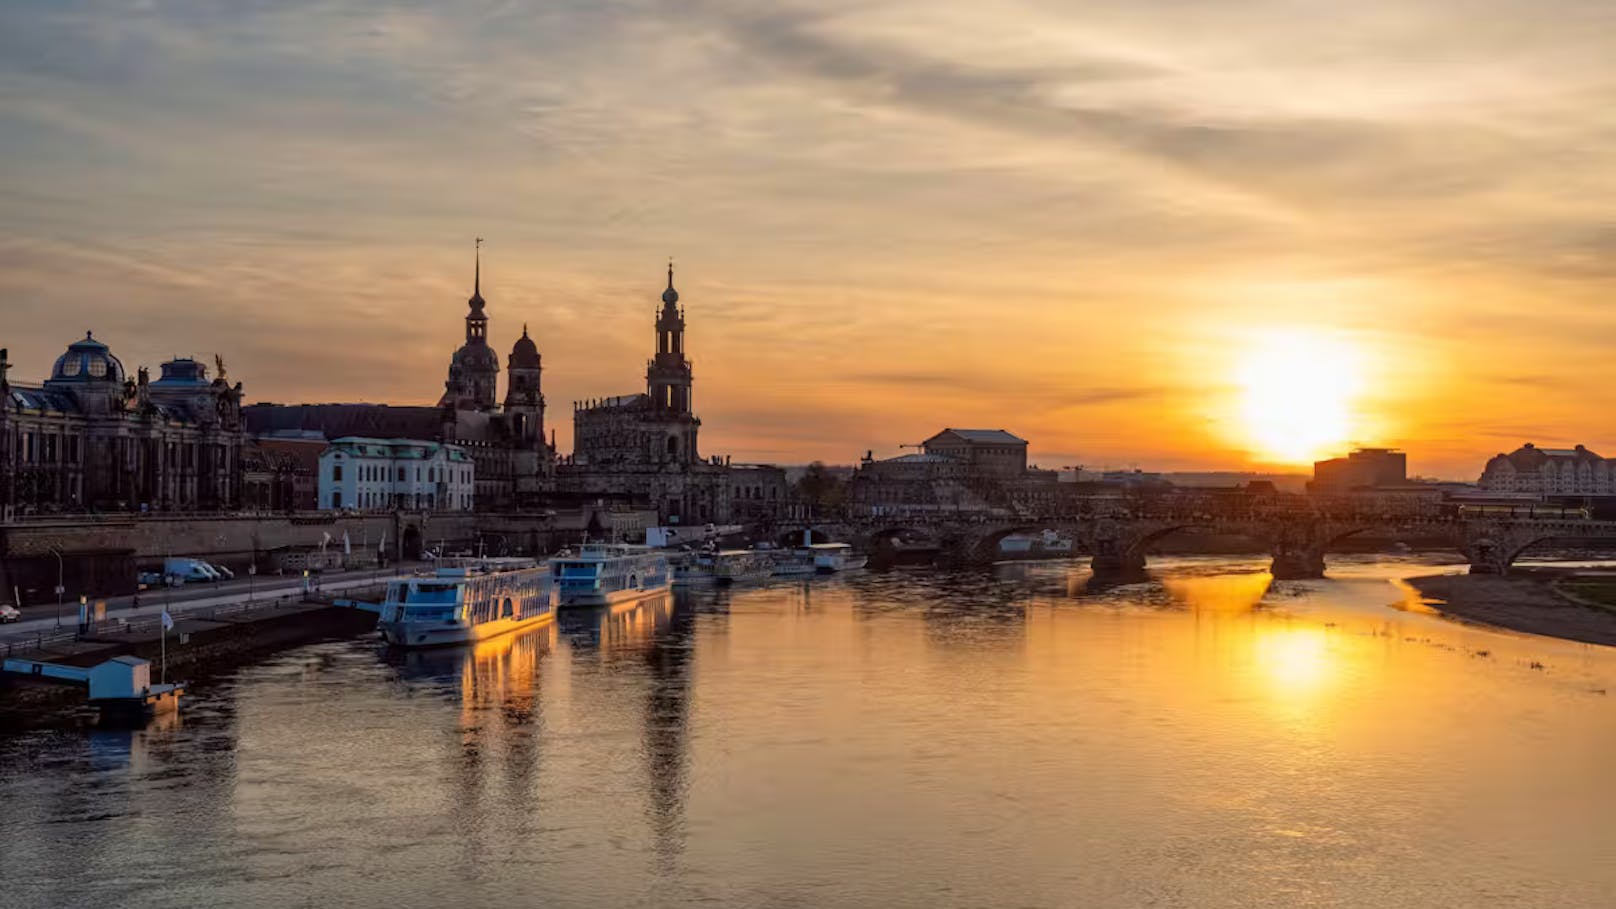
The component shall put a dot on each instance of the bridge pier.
(1297, 563)
(1123, 564)
(1487, 556)
(1115, 556)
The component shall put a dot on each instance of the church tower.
(524, 401)
(668, 379)
(474, 370)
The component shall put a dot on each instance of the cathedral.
(642, 448)
(514, 463)
(637, 451)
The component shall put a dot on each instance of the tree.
(819, 488)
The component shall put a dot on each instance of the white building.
(1550, 472)
(384, 474)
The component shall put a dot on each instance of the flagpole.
(162, 678)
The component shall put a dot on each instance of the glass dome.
(87, 361)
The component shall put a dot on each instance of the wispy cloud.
(888, 215)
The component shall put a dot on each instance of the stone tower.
(474, 370)
(524, 399)
(668, 376)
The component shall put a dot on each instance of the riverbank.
(197, 648)
(1529, 600)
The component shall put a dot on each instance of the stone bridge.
(1298, 543)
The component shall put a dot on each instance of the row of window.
(378, 472)
(366, 499)
(63, 448)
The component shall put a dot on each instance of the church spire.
(477, 272)
(670, 296)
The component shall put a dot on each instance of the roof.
(49, 400)
(617, 402)
(334, 421)
(980, 436)
(1529, 458)
(920, 459)
(396, 449)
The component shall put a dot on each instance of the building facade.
(514, 461)
(396, 474)
(983, 451)
(1365, 468)
(643, 450)
(1550, 472)
(92, 438)
(957, 471)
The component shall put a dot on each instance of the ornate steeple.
(668, 379)
(670, 296)
(474, 370)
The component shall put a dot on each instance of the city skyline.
(1084, 229)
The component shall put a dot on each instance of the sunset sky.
(1123, 229)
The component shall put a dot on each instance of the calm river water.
(1019, 738)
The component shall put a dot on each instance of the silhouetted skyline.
(1083, 226)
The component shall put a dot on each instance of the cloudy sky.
(1076, 221)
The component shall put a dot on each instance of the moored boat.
(833, 557)
(470, 601)
(794, 563)
(604, 573)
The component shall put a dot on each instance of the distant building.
(514, 461)
(642, 450)
(1549, 472)
(959, 471)
(91, 437)
(1365, 468)
(281, 474)
(657, 427)
(991, 451)
(372, 474)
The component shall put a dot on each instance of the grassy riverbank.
(1554, 602)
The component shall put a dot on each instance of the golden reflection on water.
(1219, 593)
(503, 671)
(1205, 738)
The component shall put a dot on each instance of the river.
(1023, 738)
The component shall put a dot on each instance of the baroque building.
(513, 461)
(643, 449)
(91, 437)
(957, 471)
(1550, 472)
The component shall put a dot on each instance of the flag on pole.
(347, 547)
(168, 620)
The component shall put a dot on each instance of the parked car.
(227, 573)
(9, 613)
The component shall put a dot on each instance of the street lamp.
(59, 587)
(252, 572)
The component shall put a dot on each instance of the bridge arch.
(984, 547)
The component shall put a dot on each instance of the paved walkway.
(42, 618)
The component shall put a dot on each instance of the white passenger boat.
(835, 557)
(604, 573)
(469, 601)
(1053, 544)
(793, 563)
(732, 566)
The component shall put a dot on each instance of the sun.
(1298, 390)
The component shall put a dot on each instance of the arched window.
(673, 446)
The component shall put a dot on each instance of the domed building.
(474, 368)
(90, 437)
(513, 462)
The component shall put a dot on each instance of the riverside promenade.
(39, 627)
